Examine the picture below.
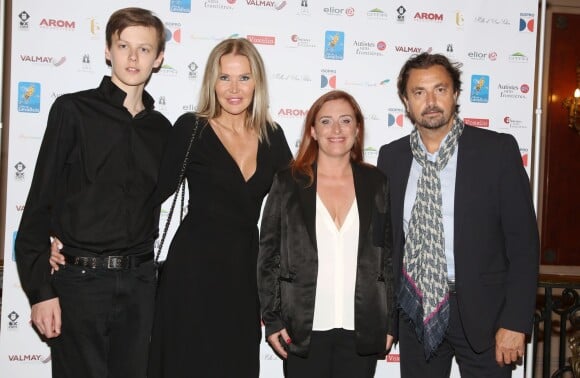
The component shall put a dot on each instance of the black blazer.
(496, 247)
(288, 261)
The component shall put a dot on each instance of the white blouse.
(337, 263)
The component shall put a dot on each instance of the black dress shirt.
(96, 170)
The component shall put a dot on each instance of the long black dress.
(207, 321)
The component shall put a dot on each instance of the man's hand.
(56, 258)
(46, 318)
(509, 346)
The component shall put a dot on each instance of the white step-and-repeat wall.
(309, 47)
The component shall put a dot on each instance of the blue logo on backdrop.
(334, 45)
(479, 88)
(180, 6)
(28, 97)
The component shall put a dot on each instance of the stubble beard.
(431, 123)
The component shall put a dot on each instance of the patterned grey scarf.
(424, 292)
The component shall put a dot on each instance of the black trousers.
(106, 322)
(471, 364)
(332, 355)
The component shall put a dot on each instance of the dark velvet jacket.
(288, 260)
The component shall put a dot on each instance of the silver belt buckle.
(115, 262)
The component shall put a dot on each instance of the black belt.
(451, 286)
(108, 262)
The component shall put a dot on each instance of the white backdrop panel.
(57, 47)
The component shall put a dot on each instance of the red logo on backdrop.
(476, 122)
(525, 159)
(381, 45)
(393, 357)
(262, 39)
(525, 88)
(349, 11)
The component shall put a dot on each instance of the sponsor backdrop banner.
(309, 47)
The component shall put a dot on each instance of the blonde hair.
(259, 118)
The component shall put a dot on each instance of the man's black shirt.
(96, 170)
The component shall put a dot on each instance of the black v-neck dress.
(207, 320)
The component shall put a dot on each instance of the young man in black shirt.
(96, 171)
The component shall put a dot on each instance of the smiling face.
(235, 84)
(133, 56)
(430, 98)
(335, 129)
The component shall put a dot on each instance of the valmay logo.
(479, 88)
(19, 174)
(49, 23)
(173, 32)
(13, 320)
(369, 48)
(526, 22)
(401, 13)
(377, 14)
(28, 97)
(23, 23)
(334, 45)
(328, 78)
(409, 49)
(180, 6)
(43, 60)
(29, 358)
(267, 4)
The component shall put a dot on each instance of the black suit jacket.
(496, 247)
(288, 260)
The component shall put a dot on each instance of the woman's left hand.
(276, 344)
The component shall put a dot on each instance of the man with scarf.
(465, 235)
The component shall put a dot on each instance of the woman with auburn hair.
(324, 265)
